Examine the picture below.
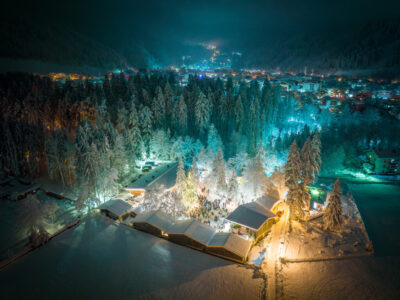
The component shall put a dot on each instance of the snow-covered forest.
(92, 135)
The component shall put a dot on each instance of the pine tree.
(260, 178)
(316, 152)
(333, 218)
(253, 120)
(119, 157)
(190, 199)
(92, 167)
(182, 115)
(214, 141)
(31, 216)
(195, 171)
(133, 135)
(159, 109)
(147, 127)
(254, 175)
(309, 166)
(233, 189)
(221, 180)
(292, 168)
(180, 178)
(122, 118)
(238, 112)
(202, 113)
(292, 172)
(105, 154)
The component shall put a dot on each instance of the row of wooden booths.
(196, 235)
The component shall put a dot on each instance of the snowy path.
(276, 249)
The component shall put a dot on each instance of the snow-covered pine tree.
(31, 216)
(260, 179)
(160, 145)
(333, 218)
(180, 178)
(190, 199)
(309, 166)
(213, 176)
(292, 168)
(195, 171)
(133, 135)
(122, 119)
(119, 156)
(233, 189)
(238, 113)
(202, 113)
(105, 154)
(92, 168)
(292, 172)
(214, 141)
(159, 109)
(253, 121)
(181, 115)
(221, 180)
(146, 117)
(316, 151)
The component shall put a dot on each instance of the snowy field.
(357, 278)
(375, 277)
(10, 235)
(311, 240)
(99, 259)
(379, 205)
(13, 238)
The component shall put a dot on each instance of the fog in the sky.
(235, 24)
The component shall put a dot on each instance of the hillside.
(372, 47)
(21, 40)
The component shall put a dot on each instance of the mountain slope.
(372, 47)
(20, 40)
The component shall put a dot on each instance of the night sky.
(231, 23)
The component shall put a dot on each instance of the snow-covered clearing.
(371, 277)
(100, 259)
(357, 278)
(13, 237)
(310, 239)
(379, 205)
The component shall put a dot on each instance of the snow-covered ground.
(359, 277)
(100, 259)
(310, 239)
(356, 278)
(379, 205)
(372, 277)
(13, 238)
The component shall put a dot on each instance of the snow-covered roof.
(180, 226)
(197, 231)
(164, 175)
(251, 215)
(237, 245)
(200, 232)
(194, 229)
(156, 218)
(116, 206)
(219, 239)
(231, 242)
(267, 201)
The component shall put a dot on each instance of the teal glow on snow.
(315, 192)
